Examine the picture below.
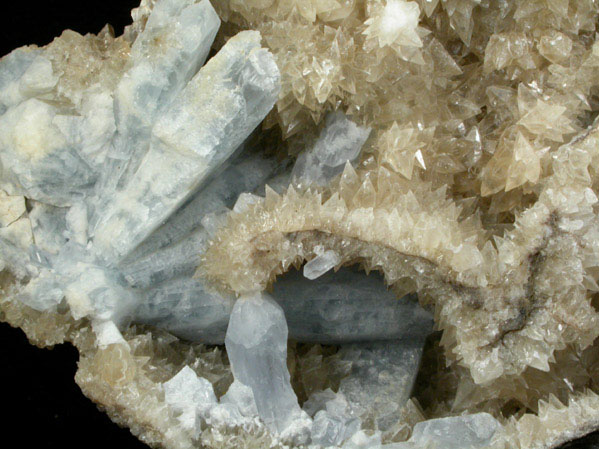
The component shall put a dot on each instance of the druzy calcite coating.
(348, 224)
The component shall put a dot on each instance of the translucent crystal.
(459, 432)
(256, 344)
(381, 378)
(321, 264)
(190, 397)
(347, 306)
(107, 334)
(39, 160)
(39, 78)
(143, 199)
(362, 440)
(12, 68)
(337, 307)
(242, 397)
(555, 46)
(177, 260)
(187, 309)
(334, 421)
(245, 173)
(339, 142)
(332, 430)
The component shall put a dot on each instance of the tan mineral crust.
(476, 189)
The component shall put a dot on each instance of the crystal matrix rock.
(334, 178)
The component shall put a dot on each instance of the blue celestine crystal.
(339, 307)
(195, 135)
(256, 344)
(456, 432)
(124, 190)
(171, 135)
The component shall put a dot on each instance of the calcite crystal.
(348, 224)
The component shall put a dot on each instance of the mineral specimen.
(198, 204)
(256, 344)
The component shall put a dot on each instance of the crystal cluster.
(359, 224)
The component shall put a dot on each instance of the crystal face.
(357, 224)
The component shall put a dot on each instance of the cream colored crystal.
(395, 23)
(477, 189)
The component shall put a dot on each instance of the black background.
(25, 22)
(41, 405)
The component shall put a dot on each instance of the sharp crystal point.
(339, 142)
(256, 343)
(414, 186)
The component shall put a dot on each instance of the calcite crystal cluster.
(351, 224)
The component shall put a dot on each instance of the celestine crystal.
(359, 224)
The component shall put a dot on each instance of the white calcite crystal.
(323, 262)
(314, 223)
(396, 23)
